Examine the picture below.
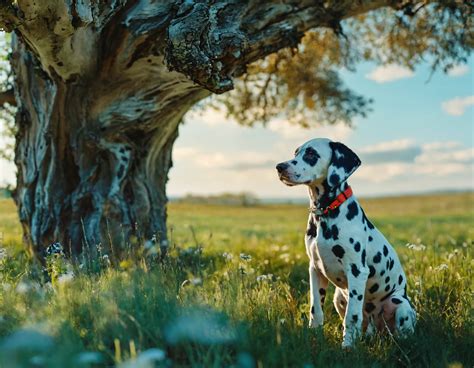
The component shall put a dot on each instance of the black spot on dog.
(396, 301)
(387, 264)
(385, 251)
(369, 307)
(310, 156)
(312, 230)
(371, 271)
(330, 233)
(351, 240)
(377, 258)
(124, 158)
(370, 238)
(334, 179)
(362, 258)
(360, 297)
(357, 246)
(122, 150)
(322, 291)
(334, 213)
(350, 294)
(382, 272)
(400, 279)
(312, 309)
(366, 221)
(387, 288)
(354, 291)
(352, 210)
(294, 162)
(387, 279)
(374, 288)
(355, 271)
(355, 318)
(338, 251)
(392, 262)
(402, 321)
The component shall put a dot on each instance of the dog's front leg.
(318, 284)
(356, 280)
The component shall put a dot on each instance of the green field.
(227, 314)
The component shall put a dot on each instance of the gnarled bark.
(101, 87)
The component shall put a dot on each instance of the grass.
(204, 308)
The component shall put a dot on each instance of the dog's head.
(316, 160)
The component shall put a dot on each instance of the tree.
(101, 87)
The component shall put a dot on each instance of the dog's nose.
(281, 167)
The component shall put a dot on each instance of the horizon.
(418, 138)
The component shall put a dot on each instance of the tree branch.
(7, 97)
(212, 43)
(9, 19)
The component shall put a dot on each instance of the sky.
(418, 138)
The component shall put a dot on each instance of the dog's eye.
(310, 156)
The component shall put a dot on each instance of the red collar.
(340, 199)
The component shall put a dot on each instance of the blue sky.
(419, 137)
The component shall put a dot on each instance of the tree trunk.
(93, 156)
(101, 87)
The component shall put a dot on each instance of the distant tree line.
(244, 199)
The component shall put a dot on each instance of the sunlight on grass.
(234, 292)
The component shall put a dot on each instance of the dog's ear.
(343, 163)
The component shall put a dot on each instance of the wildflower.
(3, 254)
(55, 250)
(227, 256)
(441, 267)
(417, 247)
(65, 278)
(106, 260)
(23, 287)
(194, 281)
(245, 257)
(265, 277)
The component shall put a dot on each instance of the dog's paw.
(315, 322)
(347, 344)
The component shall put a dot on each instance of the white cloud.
(458, 70)
(389, 145)
(389, 73)
(380, 173)
(458, 105)
(433, 160)
(442, 156)
(7, 173)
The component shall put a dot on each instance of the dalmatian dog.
(345, 248)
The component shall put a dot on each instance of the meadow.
(234, 293)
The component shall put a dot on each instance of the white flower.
(265, 277)
(227, 256)
(65, 278)
(23, 287)
(417, 247)
(441, 267)
(3, 254)
(245, 257)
